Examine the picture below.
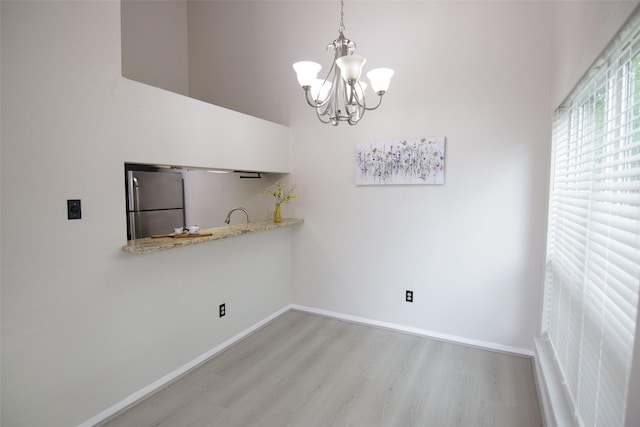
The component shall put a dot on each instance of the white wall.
(487, 75)
(84, 324)
(475, 72)
(471, 249)
(240, 53)
(155, 45)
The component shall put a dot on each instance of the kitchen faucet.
(228, 218)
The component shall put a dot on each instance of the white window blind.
(593, 252)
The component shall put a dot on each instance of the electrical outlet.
(223, 310)
(74, 210)
(408, 296)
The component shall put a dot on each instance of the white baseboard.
(172, 376)
(417, 331)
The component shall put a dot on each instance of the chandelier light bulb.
(307, 72)
(351, 66)
(380, 79)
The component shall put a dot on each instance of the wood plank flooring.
(306, 370)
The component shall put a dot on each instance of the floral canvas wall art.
(401, 161)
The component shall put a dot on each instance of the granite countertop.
(149, 245)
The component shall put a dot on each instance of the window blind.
(593, 247)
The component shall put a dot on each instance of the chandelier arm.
(353, 122)
(379, 102)
(326, 111)
(346, 93)
(349, 93)
(307, 91)
(320, 116)
(330, 94)
(357, 103)
(324, 108)
(355, 112)
(337, 94)
(321, 104)
(362, 101)
(355, 116)
(313, 102)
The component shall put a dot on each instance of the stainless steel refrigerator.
(155, 202)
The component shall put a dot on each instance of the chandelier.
(340, 97)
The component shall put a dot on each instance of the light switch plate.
(74, 209)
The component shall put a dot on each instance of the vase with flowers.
(281, 197)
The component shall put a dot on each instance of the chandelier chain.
(341, 28)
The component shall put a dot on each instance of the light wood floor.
(306, 370)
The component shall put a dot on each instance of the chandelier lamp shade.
(340, 96)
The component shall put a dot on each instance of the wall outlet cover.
(409, 296)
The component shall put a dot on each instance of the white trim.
(556, 408)
(172, 376)
(417, 331)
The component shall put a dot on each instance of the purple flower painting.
(402, 161)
